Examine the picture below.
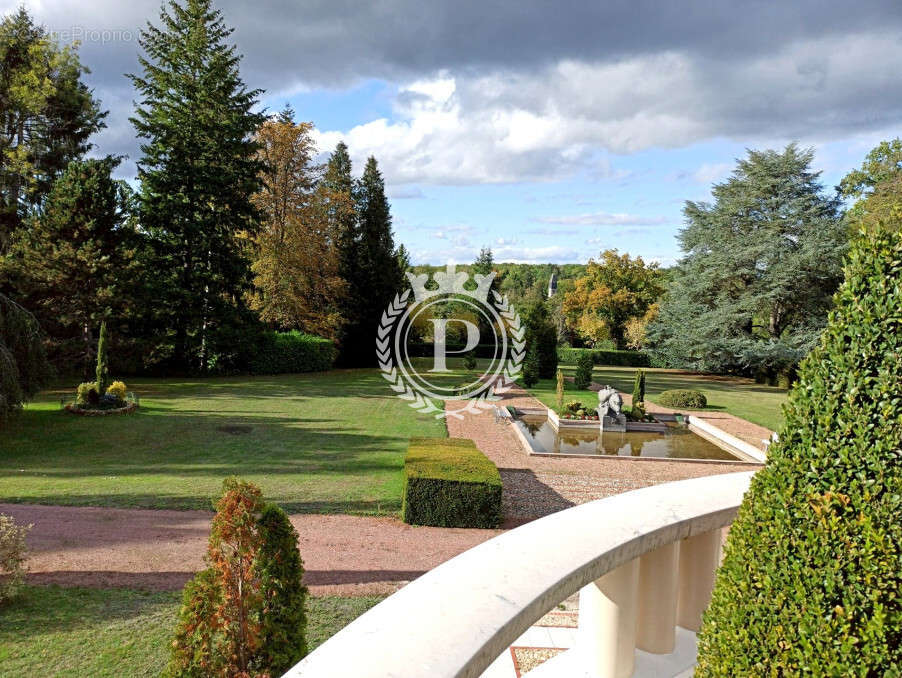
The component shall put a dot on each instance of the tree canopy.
(198, 174)
(760, 266)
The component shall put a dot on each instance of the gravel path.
(161, 550)
(537, 486)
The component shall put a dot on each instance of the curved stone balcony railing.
(643, 563)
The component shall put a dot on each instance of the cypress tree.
(370, 266)
(103, 371)
(198, 173)
(812, 571)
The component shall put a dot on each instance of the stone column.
(607, 622)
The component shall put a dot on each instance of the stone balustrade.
(642, 561)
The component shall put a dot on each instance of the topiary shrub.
(103, 371)
(638, 406)
(86, 394)
(583, 378)
(118, 389)
(448, 482)
(812, 574)
(693, 400)
(280, 569)
(12, 556)
(470, 361)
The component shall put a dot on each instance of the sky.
(548, 131)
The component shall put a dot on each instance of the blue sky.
(547, 132)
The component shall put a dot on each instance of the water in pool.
(676, 443)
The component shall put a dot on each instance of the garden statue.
(610, 415)
(609, 400)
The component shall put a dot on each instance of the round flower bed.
(97, 412)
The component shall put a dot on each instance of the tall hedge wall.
(570, 356)
(811, 583)
(448, 482)
(292, 352)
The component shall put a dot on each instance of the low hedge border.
(448, 482)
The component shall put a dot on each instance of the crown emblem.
(451, 282)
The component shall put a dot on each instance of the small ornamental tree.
(560, 391)
(583, 378)
(531, 367)
(244, 615)
(813, 565)
(638, 407)
(103, 370)
(280, 569)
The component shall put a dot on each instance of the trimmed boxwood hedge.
(448, 482)
(680, 397)
(292, 352)
(812, 573)
(570, 356)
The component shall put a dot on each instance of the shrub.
(448, 482)
(574, 406)
(531, 368)
(103, 372)
(583, 378)
(693, 400)
(12, 556)
(559, 391)
(470, 361)
(118, 389)
(638, 407)
(86, 394)
(243, 615)
(292, 352)
(280, 569)
(813, 563)
(612, 358)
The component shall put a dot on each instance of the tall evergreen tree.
(198, 173)
(761, 264)
(369, 263)
(23, 364)
(47, 115)
(75, 264)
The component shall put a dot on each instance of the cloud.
(603, 219)
(494, 92)
(710, 173)
(406, 193)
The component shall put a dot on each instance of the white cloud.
(603, 219)
(710, 173)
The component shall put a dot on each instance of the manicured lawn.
(753, 402)
(324, 442)
(51, 631)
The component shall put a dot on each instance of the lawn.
(744, 398)
(324, 442)
(51, 631)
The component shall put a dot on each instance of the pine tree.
(198, 173)
(761, 264)
(47, 115)
(75, 265)
(370, 266)
(813, 564)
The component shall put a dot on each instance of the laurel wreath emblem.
(425, 404)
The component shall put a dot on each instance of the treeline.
(231, 232)
(753, 289)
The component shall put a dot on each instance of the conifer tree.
(198, 173)
(813, 564)
(23, 363)
(370, 266)
(75, 265)
(47, 114)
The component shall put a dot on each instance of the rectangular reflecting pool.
(677, 442)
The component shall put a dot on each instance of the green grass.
(744, 398)
(324, 442)
(52, 631)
